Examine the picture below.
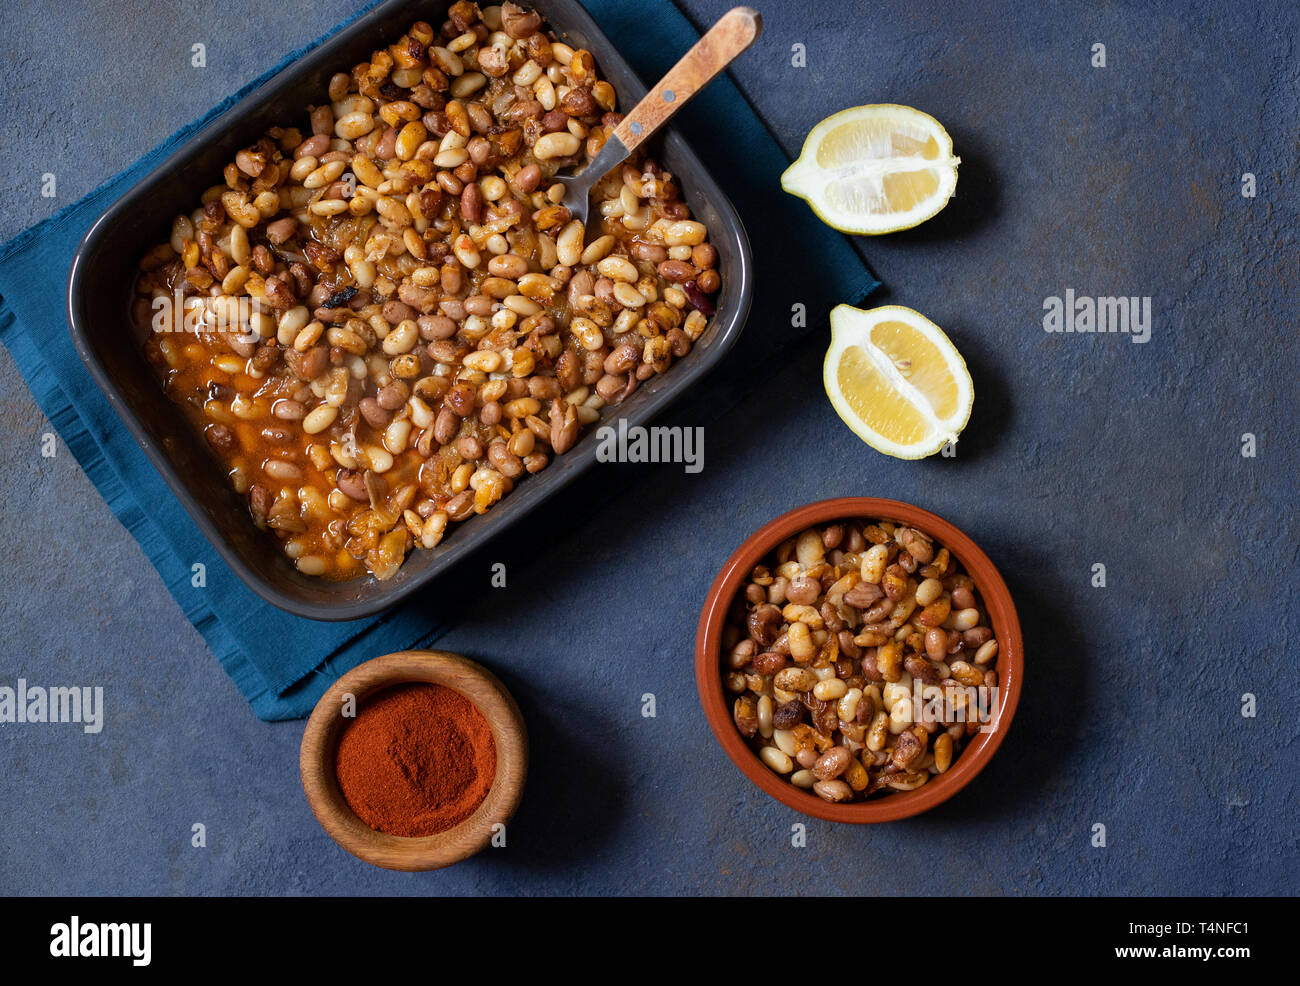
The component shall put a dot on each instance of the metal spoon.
(733, 33)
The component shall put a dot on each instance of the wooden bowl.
(717, 709)
(394, 852)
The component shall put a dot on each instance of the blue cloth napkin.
(281, 663)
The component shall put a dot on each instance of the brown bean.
(895, 582)
(434, 327)
(289, 410)
(622, 359)
(769, 662)
(543, 388)
(469, 447)
(445, 351)
(788, 715)
(396, 312)
(221, 437)
(461, 399)
(650, 252)
(424, 299)
(281, 230)
(919, 667)
(528, 177)
(803, 590)
(479, 304)
(848, 646)
(393, 395)
(679, 343)
(479, 148)
(832, 763)
(376, 415)
(312, 363)
(936, 643)
(581, 284)
(505, 461)
(471, 203)
(313, 146)
(704, 256)
(445, 426)
(962, 598)
(863, 595)
(578, 101)
(567, 370)
(352, 482)
(934, 614)
(460, 506)
(610, 387)
(677, 271)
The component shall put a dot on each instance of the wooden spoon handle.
(734, 32)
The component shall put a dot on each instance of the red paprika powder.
(418, 759)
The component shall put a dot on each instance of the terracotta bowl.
(320, 745)
(717, 704)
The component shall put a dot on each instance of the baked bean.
(835, 616)
(377, 340)
(393, 395)
(803, 590)
(528, 178)
(962, 598)
(832, 763)
(833, 790)
(469, 447)
(446, 426)
(936, 644)
(376, 415)
(350, 481)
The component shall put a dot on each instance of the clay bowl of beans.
(415, 760)
(859, 659)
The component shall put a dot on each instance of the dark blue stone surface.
(1123, 180)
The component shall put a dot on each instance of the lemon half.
(875, 169)
(896, 380)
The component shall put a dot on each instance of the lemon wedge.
(875, 169)
(896, 380)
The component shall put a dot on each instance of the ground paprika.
(418, 759)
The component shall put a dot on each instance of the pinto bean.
(528, 177)
(352, 482)
(446, 425)
(393, 395)
(376, 415)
